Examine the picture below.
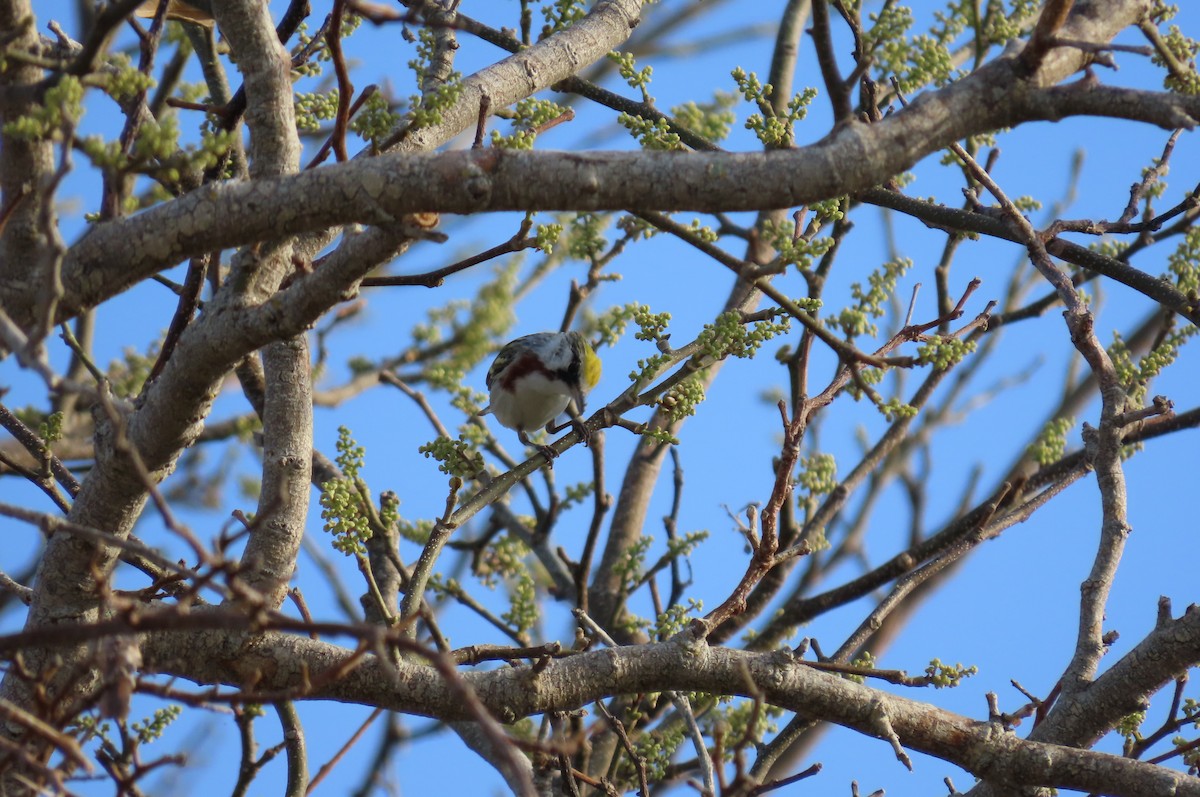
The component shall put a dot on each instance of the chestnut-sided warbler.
(534, 378)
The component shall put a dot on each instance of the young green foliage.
(548, 236)
(610, 326)
(656, 748)
(868, 377)
(473, 327)
(730, 337)
(794, 250)
(126, 377)
(61, 107)
(1181, 55)
(676, 618)
(1051, 444)
(636, 78)
(121, 80)
(416, 531)
(342, 499)
(313, 108)
(1006, 25)
(651, 134)
(712, 120)
(681, 400)
(703, 232)
(585, 235)
(155, 725)
(526, 117)
(561, 14)
(770, 128)
(946, 676)
(944, 351)
(895, 409)
(376, 119)
(915, 62)
(425, 109)
(1184, 264)
(818, 475)
(683, 546)
(51, 429)
(343, 516)
(872, 302)
(457, 458)
(156, 152)
(865, 661)
(507, 560)
(576, 494)
(1130, 727)
(631, 565)
(1135, 377)
(734, 717)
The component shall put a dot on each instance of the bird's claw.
(585, 434)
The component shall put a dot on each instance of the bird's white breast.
(533, 402)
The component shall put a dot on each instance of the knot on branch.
(476, 179)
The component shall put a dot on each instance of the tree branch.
(686, 663)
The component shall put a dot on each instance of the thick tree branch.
(983, 748)
(563, 55)
(270, 555)
(26, 170)
(853, 158)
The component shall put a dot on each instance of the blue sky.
(1011, 609)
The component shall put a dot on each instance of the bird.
(535, 378)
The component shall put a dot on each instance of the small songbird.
(534, 378)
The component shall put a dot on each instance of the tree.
(621, 633)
